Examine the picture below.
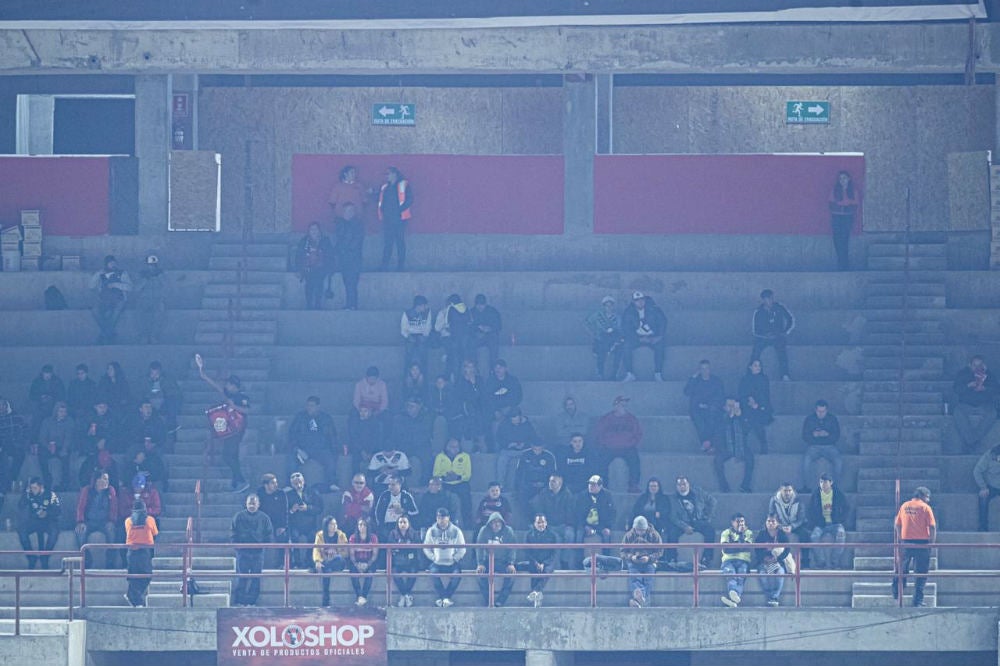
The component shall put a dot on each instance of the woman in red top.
(843, 204)
(140, 531)
(362, 560)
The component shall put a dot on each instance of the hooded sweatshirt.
(502, 557)
(448, 545)
(788, 513)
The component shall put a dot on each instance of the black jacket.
(275, 505)
(828, 423)
(839, 512)
(312, 433)
(489, 316)
(656, 510)
(702, 505)
(305, 520)
(710, 392)
(653, 318)
(350, 235)
(774, 323)
(604, 505)
(968, 396)
(251, 527)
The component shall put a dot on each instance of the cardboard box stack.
(10, 247)
(31, 222)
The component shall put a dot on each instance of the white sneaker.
(538, 599)
(447, 603)
(658, 376)
(361, 601)
(786, 378)
(638, 599)
(772, 602)
(409, 600)
(729, 602)
(532, 596)
(402, 602)
(735, 596)
(439, 603)
(629, 377)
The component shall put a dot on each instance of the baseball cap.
(636, 295)
(620, 399)
(442, 512)
(607, 299)
(152, 259)
(595, 479)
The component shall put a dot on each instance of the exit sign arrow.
(799, 112)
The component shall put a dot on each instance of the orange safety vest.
(400, 195)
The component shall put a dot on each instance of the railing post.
(17, 605)
(593, 581)
(489, 573)
(797, 558)
(70, 613)
(696, 569)
(388, 577)
(288, 596)
(83, 576)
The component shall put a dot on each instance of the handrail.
(198, 497)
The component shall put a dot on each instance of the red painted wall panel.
(70, 192)
(466, 194)
(718, 194)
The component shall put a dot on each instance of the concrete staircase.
(214, 593)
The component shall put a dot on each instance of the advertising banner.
(301, 637)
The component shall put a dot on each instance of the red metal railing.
(17, 575)
(198, 498)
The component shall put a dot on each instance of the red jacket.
(618, 433)
(81, 505)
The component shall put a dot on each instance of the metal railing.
(198, 499)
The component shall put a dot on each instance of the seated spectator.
(595, 512)
(313, 436)
(14, 431)
(415, 326)
(773, 564)
(38, 513)
(502, 393)
(446, 548)
(532, 474)
(641, 562)
(828, 511)
(433, 499)
(654, 506)
(391, 504)
(791, 515)
(453, 326)
(274, 504)
(987, 476)
(976, 391)
(736, 558)
(691, 510)
(358, 501)
(386, 465)
(493, 502)
(363, 554)
(443, 402)
(706, 396)
(470, 393)
(330, 547)
(731, 442)
(605, 328)
(415, 384)
(101, 462)
(454, 467)
(55, 445)
(644, 325)
(558, 505)
(821, 432)
(304, 506)
(577, 462)
(618, 435)
(372, 394)
(313, 263)
(537, 559)
(514, 436)
(46, 390)
(145, 425)
(570, 420)
(772, 322)
(411, 433)
(485, 325)
(365, 436)
(97, 511)
(97, 432)
(81, 393)
(496, 531)
(147, 461)
(405, 560)
(114, 387)
(755, 402)
(164, 394)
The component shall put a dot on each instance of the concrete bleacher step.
(198, 563)
(889, 485)
(901, 249)
(908, 338)
(898, 263)
(883, 563)
(879, 595)
(909, 301)
(907, 397)
(248, 302)
(902, 288)
(254, 249)
(244, 291)
(899, 326)
(225, 325)
(911, 409)
(909, 374)
(278, 264)
(176, 600)
(239, 338)
(908, 472)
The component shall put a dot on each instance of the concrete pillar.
(605, 114)
(547, 658)
(579, 145)
(35, 124)
(152, 147)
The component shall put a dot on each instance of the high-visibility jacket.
(401, 192)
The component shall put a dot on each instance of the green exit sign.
(798, 112)
(394, 114)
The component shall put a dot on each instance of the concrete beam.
(347, 48)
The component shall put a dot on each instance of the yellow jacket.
(461, 465)
(323, 552)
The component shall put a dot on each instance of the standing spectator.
(55, 445)
(347, 191)
(454, 467)
(533, 470)
(644, 325)
(976, 391)
(13, 445)
(112, 285)
(304, 506)
(329, 548)
(773, 564)
(411, 433)
(313, 436)
(81, 393)
(843, 206)
(250, 526)
(349, 250)
(641, 562)
(654, 506)
(485, 325)
(445, 549)
(114, 387)
(570, 420)
(791, 515)
(987, 476)
(453, 325)
(470, 392)
(393, 503)
(238, 402)
(595, 512)
(502, 391)
(736, 558)
(772, 322)
(514, 436)
(164, 394)
(433, 499)
(140, 532)
(358, 501)
(394, 212)
(405, 560)
(538, 559)
(605, 328)
(733, 443)
(38, 513)
(46, 390)
(618, 435)
(97, 511)
(363, 553)
(151, 301)
(493, 502)
(706, 396)
(828, 511)
(755, 402)
(577, 462)
(274, 504)
(496, 531)
(415, 326)
(691, 510)
(313, 259)
(821, 432)
(915, 527)
(558, 506)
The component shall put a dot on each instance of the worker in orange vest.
(393, 212)
(916, 528)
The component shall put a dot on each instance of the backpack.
(54, 299)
